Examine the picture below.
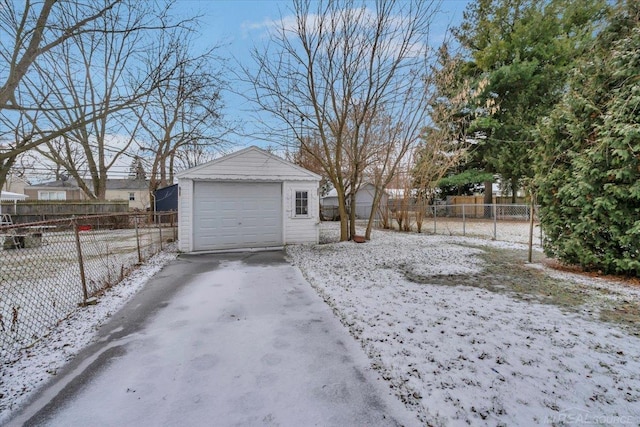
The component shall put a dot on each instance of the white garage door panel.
(237, 215)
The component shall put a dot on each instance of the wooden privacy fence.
(47, 210)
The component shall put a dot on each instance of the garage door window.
(302, 203)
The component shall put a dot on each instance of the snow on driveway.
(239, 343)
(39, 363)
(457, 353)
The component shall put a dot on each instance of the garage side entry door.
(232, 215)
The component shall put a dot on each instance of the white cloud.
(366, 17)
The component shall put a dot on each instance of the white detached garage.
(247, 200)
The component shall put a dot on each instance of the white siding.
(297, 229)
(185, 214)
(254, 164)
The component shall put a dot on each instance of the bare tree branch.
(338, 70)
(183, 116)
(72, 69)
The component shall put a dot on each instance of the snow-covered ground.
(38, 363)
(457, 342)
(458, 352)
(43, 284)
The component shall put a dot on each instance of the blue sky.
(240, 24)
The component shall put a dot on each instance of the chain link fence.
(50, 268)
(509, 223)
(504, 222)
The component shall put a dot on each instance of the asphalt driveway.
(220, 340)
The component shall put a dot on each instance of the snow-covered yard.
(41, 285)
(38, 363)
(466, 333)
(463, 331)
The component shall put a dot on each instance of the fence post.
(173, 228)
(531, 211)
(464, 222)
(159, 222)
(541, 236)
(495, 222)
(138, 240)
(83, 278)
(435, 220)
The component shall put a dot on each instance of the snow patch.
(37, 364)
(466, 355)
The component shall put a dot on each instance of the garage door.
(229, 215)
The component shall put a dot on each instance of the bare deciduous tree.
(182, 120)
(395, 139)
(29, 30)
(91, 71)
(104, 75)
(330, 73)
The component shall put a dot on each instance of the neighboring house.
(14, 184)
(135, 191)
(247, 200)
(364, 202)
(66, 189)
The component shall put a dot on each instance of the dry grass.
(505, 271)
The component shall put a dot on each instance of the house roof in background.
(334, 193)
(127, 184)
(7, 195)
(112, 184)
(57, 184)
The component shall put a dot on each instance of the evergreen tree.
(588, 169)
(136, 170)
(520, 52)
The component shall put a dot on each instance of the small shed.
(364, 202)
(247, 200)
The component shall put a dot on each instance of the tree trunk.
(352, 215)
(5, 168)
(375, 206)
(488, 198)
(344, 220)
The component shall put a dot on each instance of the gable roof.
(247, 164)
(127, 184)
(69, 184)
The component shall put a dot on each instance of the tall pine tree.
(588, 168)
(521, 51)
